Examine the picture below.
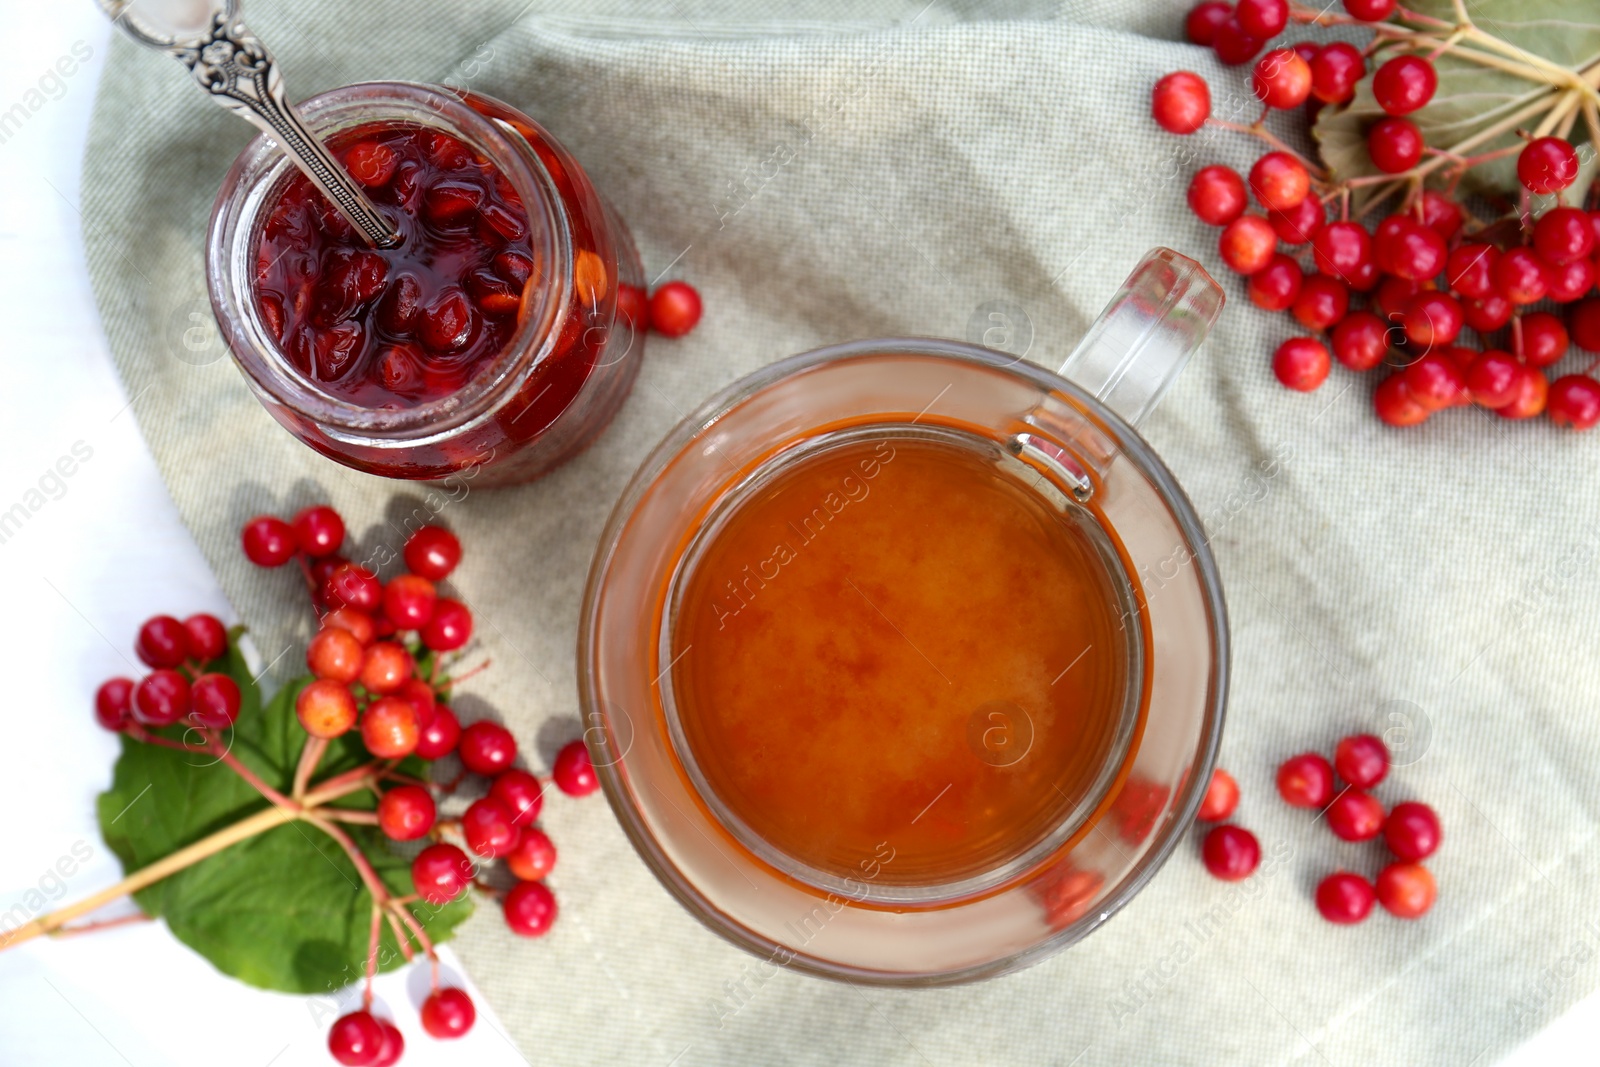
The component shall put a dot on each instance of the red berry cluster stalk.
(1402, 288)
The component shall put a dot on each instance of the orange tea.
(902, 642)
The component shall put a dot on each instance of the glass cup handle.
(1141, 341)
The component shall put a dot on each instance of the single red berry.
(387, 667)
(1275, 286)
(1404, 84)
(1216, 195)
(533, 857)
(1441, 214)
(113, 703)
(389, 728)
(574, 772)
(1370, 10)
(1583, 324)
(406, 812)
(1395, 405)
(1281, 79)
(530, 909)
(1322, 304)
(1432, 319)
(319, 531)
(408, 601)
(392, 1047)
(1306, 781)
(1230, 853)
(1563, 234)
(1200, 25)
(1247, 243)
(1341, 249)
(214, 701)
(450, 627)
(1544, 339)
(1335, 72)
(1487, 314)
(440, 737)
(1361, 760)
(1547, 165)
(520, 792)
(1395, 145)
(1521, 276)
(633, 307)
(268, 541)
(1494, 378)
(1533, 392)
(486, 747)
(1279, 181)
(326, 708)
(1412, 831)
(337, 654)
(1307, 50)
(356, 1039)
(432, 553)
(1470, 269)
(322, 569)
(353, 586)
(675, 307)
(205, 638)
(1360, 340)
(1355, 816)
(1406, 890)
(1179, 102)
(1571, 280)
(357, 623)
(420, 695)
(1300, 223)
(1345, 898)
(441, 873)
(448, 1013)
(1411, 251)
(1365, 278)
(1302, 363)
(161, 698)
(1392, 297)
(1222, 797)
(1264, 19)
(1234, 44)
(1574, 401)
(489, 828)
(162, 642)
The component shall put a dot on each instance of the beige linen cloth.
(825, 170)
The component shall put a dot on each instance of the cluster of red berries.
(178, 687)
(1411, 830)
(1426, 272)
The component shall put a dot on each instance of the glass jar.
(554, 385)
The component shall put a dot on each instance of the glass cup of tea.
(904, 661)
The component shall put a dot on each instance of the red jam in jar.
(495, 340)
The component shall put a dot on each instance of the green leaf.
(1472, 97)
(286, 909)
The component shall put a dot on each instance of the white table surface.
(80, 576)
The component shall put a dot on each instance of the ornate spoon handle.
(232, 65)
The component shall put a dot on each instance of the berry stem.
(368, 818)
(400, 937)
(1257, 130)
(347, 782)
(310, 755)
(375, 886)
(139, 733)
(216, 747)
(416, 929)
(102, 924)
(372, 955)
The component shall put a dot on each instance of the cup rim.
(1133, 446)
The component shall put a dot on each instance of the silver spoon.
(231, 64)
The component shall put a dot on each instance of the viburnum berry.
(1583, 324)
(1335, 72)
(1275, 286)
(1370, 10)
(439, 738)
(1181, 102)
(1345, 898)
(1341, 249)
(389, 728)
(408, 601)
(530, 909)
(1406, 890)
(162, 642)
(1323, 302)
(448, 1013)
(353, 586)
(1355, 816)
(1547, 165)
(337, 654)
(450, 627)
(432, 553)
(1563, 234)
(1394, 145)
(357, 623)
(1216, 195)
(1306, 781)
(1264, 19)
(161, 698)
(1412, 831)
(319, 531)
(406, 812)
(1362, 760)
(1487, 314)
(1281, 79)
(392, 1047)
(1533, 390)
(326, 708)
(1200, 25)
(1432, 319)
(1404, 84)
(1574, 401)
(1470, 269)
(1230, 853)
(520, 792)
(1300, 223)
(573, 771)
(420, 695)
(1234, 44)
(486, 747)
(205, 638)
(1494, 378)
(489, 828)
(268, 541)
(441, 873)
(1441, 214)
(1571, 280)
(387, 667)
(1360, 340)
(1392, 297)
(113, 703)
(356, 1039)
(1302, 363)
(1413, 251)
(1279, 181)
(533, 857)
(1544, 339)
(1222, 797)
(675, 307)
(1395, 405)
(1247, 243)
(214, 701)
